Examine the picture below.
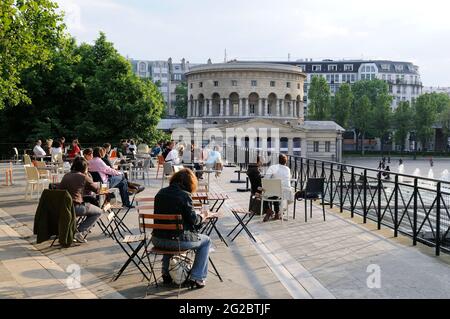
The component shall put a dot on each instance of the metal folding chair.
(242, 222)
(314, 190)
(131, 245)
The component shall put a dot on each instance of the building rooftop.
(243, 65)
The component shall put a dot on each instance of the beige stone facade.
(226, 92)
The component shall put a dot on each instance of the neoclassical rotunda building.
(248, 95)
(223, 93)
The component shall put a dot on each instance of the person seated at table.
(48, 147)
(280, 171)
(196, 158)
(77, 183)
(168, 148)
(75, 150)
(214, 157)
(56, 148)
(174, 155)
(38, 151)
(156, 150)
(132, 148)
(62, 140)
(108, 175)
(254, 176)
(106, 158)
(177, 199)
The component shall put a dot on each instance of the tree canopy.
(30, 30)
(90, 93)
(181, 101)
(319, 99)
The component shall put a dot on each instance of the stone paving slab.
(292, 259)
(244, 272)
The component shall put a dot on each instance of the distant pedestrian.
(386, 173)
(431, 162)
(389, 159)
(400, 162)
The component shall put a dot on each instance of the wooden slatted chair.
(147, 221)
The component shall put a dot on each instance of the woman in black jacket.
(176, 199)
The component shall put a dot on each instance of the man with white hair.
(38, 150)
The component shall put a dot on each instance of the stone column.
(189, 108)
(294, 108)
(304, 147)
(290, 146)
(260, 107)
(264, 106)
(246, 106)
(227, 107)
(221, 107)
(205, 107)
(195, 108)
(241, 107)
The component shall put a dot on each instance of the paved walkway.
(292, 259)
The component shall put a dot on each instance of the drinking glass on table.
(205, 210)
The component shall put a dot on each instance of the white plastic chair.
(143, 149)
(272, 188)
(27, 159)
(33, 180)
(167, 172)
(43, 173)
(16, 154)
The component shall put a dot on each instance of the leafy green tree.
(30, 30)
(90, 93)
(402, 122)
(442, 101)
(378, 117)
(425, 115)
(319, 99)
(181, 101)
(361, 110)
(342, 105)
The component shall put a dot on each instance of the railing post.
(352, 198)
(416, 190)
(341, 190)
(438, 219)
(307, 168)
(322, 175)
(396, 207)
(331, 185)
(290, 162)
(301, 173)
(365, 197)
(295, 169)
(315, 169)
(379, 201)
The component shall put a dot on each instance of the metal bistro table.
(219, 200)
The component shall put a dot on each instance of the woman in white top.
(56, 148)
(281, 171)
(213, 157)
(174, 156)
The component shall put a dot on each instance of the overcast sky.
(405, 30)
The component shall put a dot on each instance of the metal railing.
(415, 206)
